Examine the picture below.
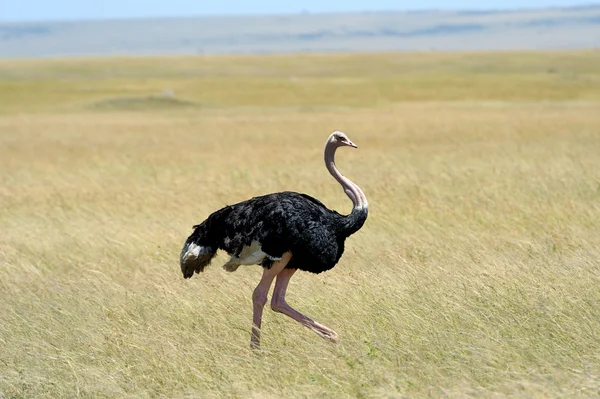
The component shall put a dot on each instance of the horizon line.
(301, 13)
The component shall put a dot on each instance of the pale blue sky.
(15, 10)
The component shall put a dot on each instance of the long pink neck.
(352, 190)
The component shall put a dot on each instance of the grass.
(476, 274)
(302, 80)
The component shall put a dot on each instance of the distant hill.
(559, 28)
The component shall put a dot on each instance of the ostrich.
(283, 232)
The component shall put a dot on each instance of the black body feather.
(280, 222)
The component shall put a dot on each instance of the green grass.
(304, 80)
(476, 274)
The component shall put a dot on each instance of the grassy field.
(476, 274)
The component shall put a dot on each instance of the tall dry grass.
(476, 274)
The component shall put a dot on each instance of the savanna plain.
(476, 274)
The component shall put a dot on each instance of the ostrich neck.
(354, 192)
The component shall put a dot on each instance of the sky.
(36, 10)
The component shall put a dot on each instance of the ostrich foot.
(254, 343)
(279, 305)
(327, 334)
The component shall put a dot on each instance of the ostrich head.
(340, 139)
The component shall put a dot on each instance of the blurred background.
(37, 28)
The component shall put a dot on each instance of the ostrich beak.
(351, 144)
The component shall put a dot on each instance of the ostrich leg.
(259, 296)
(278, 304)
